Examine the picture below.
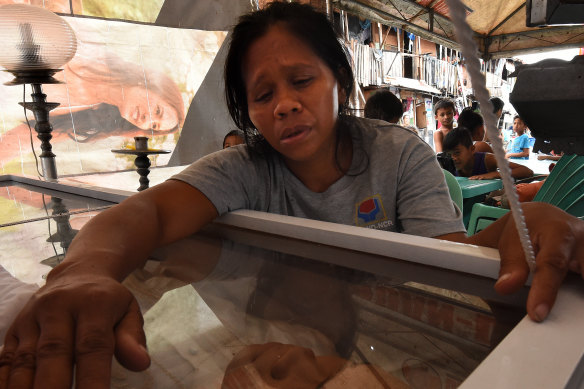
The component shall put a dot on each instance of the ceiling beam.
(544, 39)
(506, 19)
(368, 12)
(417, 10)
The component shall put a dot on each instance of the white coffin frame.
(546, 355)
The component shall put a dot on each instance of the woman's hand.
(557, 241)
(81, 320)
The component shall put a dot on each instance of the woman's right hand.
(74, 322)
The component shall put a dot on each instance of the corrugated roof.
(500, 25)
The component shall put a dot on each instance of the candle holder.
(142, 161)
(65, 233)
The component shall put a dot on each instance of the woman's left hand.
(557, 242)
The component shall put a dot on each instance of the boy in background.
(473, 164)
(444, 113)
(519, 147)
(498, 105)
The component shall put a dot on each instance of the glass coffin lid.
(259, 300)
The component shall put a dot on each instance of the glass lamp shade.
(34, 38)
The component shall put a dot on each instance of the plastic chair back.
(453, 188)
(481, 216)
(564, 187)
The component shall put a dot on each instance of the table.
(474, 191)
(473, 188)
(313, 286)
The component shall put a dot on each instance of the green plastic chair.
(481, 216)
(453, 188)
(564, 188)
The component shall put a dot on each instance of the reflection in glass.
(283, 320)
(65, 233)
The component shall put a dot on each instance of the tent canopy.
(500, 25)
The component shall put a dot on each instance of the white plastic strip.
(469, 50)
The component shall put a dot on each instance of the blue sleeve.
(524, 144)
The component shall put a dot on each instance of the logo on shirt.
(370, 211)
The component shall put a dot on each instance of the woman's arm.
(557, 240)
(83, 315)
(123, 236)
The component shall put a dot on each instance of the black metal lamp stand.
(40, 108)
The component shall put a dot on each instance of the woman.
(287, 82)
(146, 100)
(104, 96)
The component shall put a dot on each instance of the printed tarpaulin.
(135, 73)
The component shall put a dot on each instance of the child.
(498, 105)
(474, 122)
(233, 138)
(476, 165)
(287, 84)
(384, 105)
(519, 147)
(444, 113)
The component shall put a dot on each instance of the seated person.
(384, 105)
(498, 105)
(519, 146)
(474, 164)
(476, 124)
(443, 112)
(547, 149)
(233, 138)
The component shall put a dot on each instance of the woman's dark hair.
(384, 105)
(470, 119)
(457, 136)
(304, 22)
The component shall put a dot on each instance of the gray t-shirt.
(394, 184)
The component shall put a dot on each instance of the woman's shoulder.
(236, 159)
(225, 172)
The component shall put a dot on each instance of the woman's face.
(293, 96)
(147, 110)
